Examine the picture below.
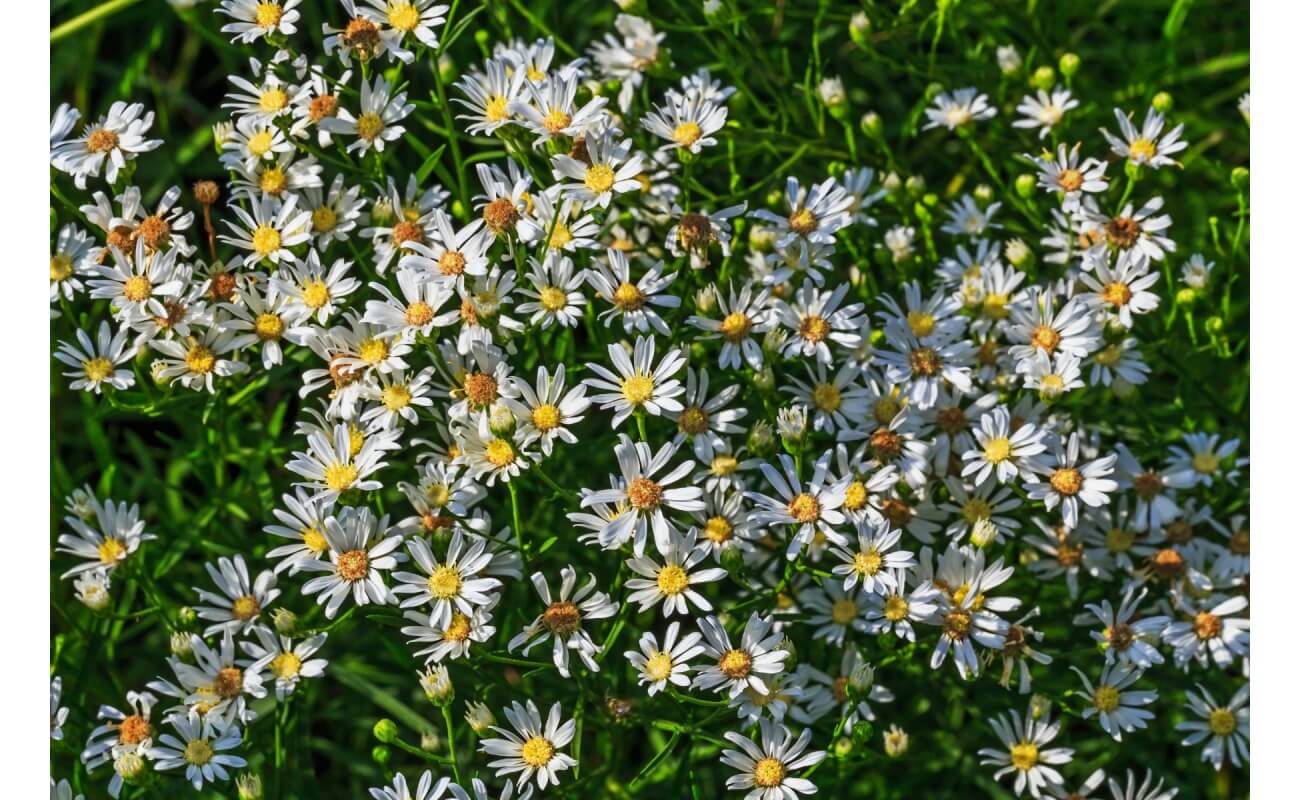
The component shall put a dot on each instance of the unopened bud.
(180, 645)
(249, 786)
(186, 615)
(430, 741)
(1069, 64)
(983, 532)
(479, 717)
(501, 420)
(915, 185)
(1240, 178)
(1043, 78)
(1018, 253)
(760, 440)
(385, 730)
(284, 620)
(861, 679)
(437, 686)
(983, 193)
(381, 755)
(896, 741)
(860, 29)
(871, 124)
(1039, 706)
(1185, 296)
(842, 747)
(1214, 325)
(1026, 185)
(1009, 60)
(1163, 102)
(207, 192)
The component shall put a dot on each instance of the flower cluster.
(774, 480)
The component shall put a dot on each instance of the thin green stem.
(451, 740)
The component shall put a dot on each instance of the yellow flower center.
(101, 141)
(198, 752)
(814, 328)
(562, 618)
(266, 240)
(495, 110)
(687, 134)
(735, 664)
(921, 323)
(373, 351)
(723, 465)
(60, 268)
(546, 417)
(268, 326)
(314, 540)
(537, 751)
(285, 665)
(444, 582)
(451, 263)
(499, 453)
(803, 222)
(768, 773)
(644, 494)
(395, 397)
(1024, 756)
(1070, 180)
(480, 389)
(369, 126)
(133, 730)
(628, 297)
(804, 508)
(895, 608)
(1116, 294)
(1045, 337)
(844, 611)
(245, 608)
(200, 360)
(259, 144)
(1206, 463)
(1067, 481)
(925, 361)
(560, 236)
(97, 369)
(340, 477)
(717, 530)
(553, 299)
(228, 683)
(315, 294)
(638, 388)
(975, 509)
(997, 450)
(273, 101)
(1142, 149)
(405, 17)
(735, 326)
(826, 397)
(855, 496)
(273, 180)
(868, 562)
(1105, 699)
(556, 120)
(111, 550)
(658, 666)
(599, 178)
(459, 628)
(1222, 721)
(137, 288)
(672, 580)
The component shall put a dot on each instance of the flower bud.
(842, 747)
(896, 741)
(130, 765)
(1009, 60)
(284, 620)
(764, 379)
(1214, 325)
(1026, 185)
(186, 615)
(447, 69)
(1186, 296)
(760, 440)
(1240, 178)
(915, 185)
(93, 589)
(479, 717)
(712, 8)
(861, 679)
(983, 193)
(832, 93)
(1043, 78)
(732, 560)
(221, 132)
(1069, 65)
(983, 532)
(1018, 253)
(1163, 102)
(249, 786)
(1122, 388)
(860, 29)
(437, 686)
(871, 124)
(892, 182)
(792, 422)
(1039, 706)
(761, 238)
(862, 733)
(381, 755)
(430, 741)
(385, 730)
(180, 644)
(787, 644)
(501, 420)
(706, 299)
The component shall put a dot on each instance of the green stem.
(451, 740)
(448, 122)
(99, 12)
(519, 528)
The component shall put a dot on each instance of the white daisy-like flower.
(1045, 111)
(254, 19)
(1070, 483)
(1125, 636)
(487, 454)
(744, 317)
(531, 749)
(638, 384)
(898, 608)
(58, 713)
(451, 254)
(395, 19)
(633, 302)
(488, 96)
(659, 666)
(1118, 709)
(562, 223)
(563, 618)
(130, 730)
(330, 465)
(705, 420)
(611, 168)
(201, 742)
(966, 217)
(1224, 730)
(547, 412)
(1199, 459)
(361, 550)
(672, 582)
(686, 122)
(241, 600)
(816, 320)
(1052, 376)
(548, 110)
(1195, 273)
(766, 767)
(1148, 790)
(1137, 234)
(376, 124)
(289, 663)
(646, 495)
(454, 639)
(263, 318)
(757, 656)
(72, 247)
(452, 584)
(137, 277)
(302, 521)
(958, 109)
(426, 788)
(274, 226)
(1124, 290)
(1217, 633)
(214, 684)
(815, 214)
(117, 533)
(1024, 751)
(1149, 147)
(697, 230)
(876, 562)
(106, 144)
(198, 360)
(1070, 177)
(814, 511)
(310, 289)
(95, 363)
(556, 291)
(1003, 454)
